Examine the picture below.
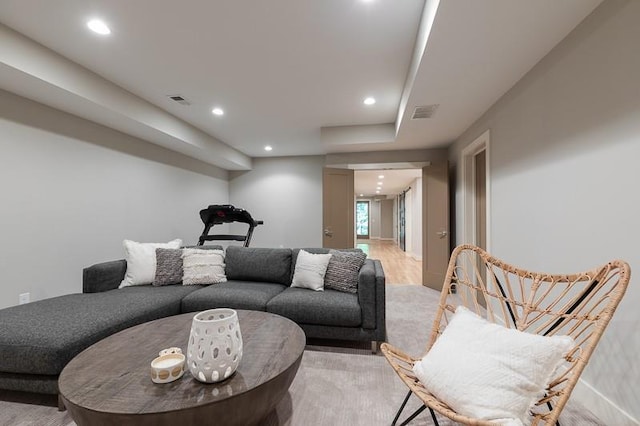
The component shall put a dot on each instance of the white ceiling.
(393, 181)
(283, 70)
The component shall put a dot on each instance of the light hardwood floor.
(399, 268)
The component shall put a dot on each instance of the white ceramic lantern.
(215, 345)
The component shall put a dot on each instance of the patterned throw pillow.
(343, 269)
(203, 266)
(168, 266)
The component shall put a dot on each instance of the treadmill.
(217, 214)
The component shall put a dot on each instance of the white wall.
(386, 219)
(73, 190)
(416, 218)
(395, 219)
(285, 192)
(408, 221)
(565, 144)
(374, 219)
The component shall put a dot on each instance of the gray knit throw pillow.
(168, 266)
(343, 269)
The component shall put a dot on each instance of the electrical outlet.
(24, 298)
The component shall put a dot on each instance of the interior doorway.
(399, 215)
(392, 199)
(476, 203)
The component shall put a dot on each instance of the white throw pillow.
(203, 266)
(487, 371)
(141, 261)
(310, 270)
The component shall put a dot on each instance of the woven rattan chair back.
(579, 305)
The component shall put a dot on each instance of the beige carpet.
(336, 385)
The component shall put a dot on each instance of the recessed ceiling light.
(362, 195)
(379, 183)
(217, 111)
(378, 188)
(377, 192)
(268, 148)
(98, 26)
(381, 177)
(369, 101)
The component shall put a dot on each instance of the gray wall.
(416, 218)
(73, 190)
(374, 219)
(386, 219)
(285, 192)
(565, 144)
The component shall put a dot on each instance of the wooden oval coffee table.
(109, 383)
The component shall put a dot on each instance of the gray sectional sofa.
(38, 339)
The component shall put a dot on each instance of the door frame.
(481, 143)
(402, 221)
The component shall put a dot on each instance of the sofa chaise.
(38, 339)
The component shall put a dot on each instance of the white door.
(338, 204)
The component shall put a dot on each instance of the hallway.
(399, 268)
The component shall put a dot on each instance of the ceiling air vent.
(179, 99)
(425, 111)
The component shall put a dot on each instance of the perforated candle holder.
(215, 345)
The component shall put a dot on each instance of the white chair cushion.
(486, 371)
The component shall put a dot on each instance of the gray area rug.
(337, 384)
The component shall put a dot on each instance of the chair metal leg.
(374, 347)
(414, 415)
(401, 408)
(433, 416)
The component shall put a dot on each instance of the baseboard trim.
(601, 406)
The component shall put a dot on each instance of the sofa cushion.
(203, 266)
(168, 267)
(42, 337)
(328, 307)
(343, 269)
(314, 250)
(271, 265)
(232, 294)
(310, 270)
(141, 261)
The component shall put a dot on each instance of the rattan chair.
(580, 305)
